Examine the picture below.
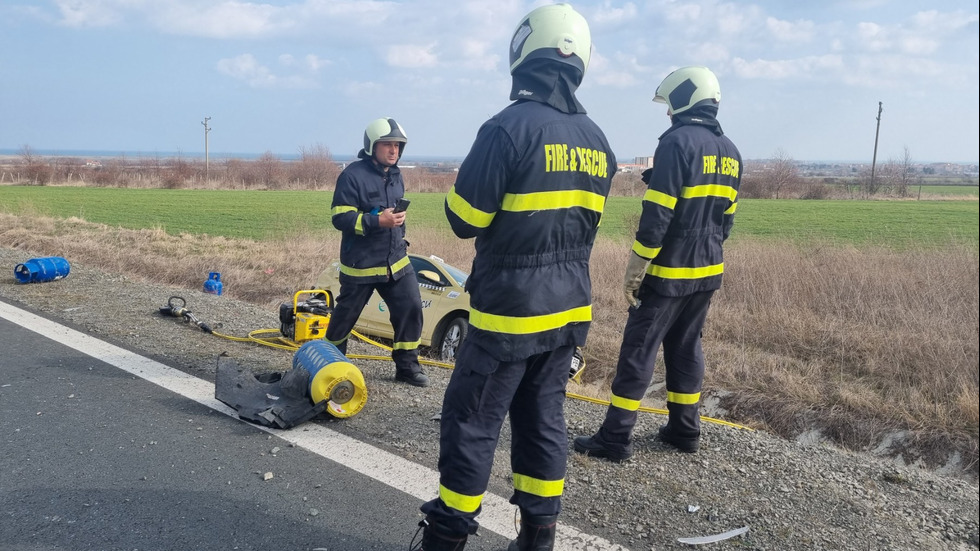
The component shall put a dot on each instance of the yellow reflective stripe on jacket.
(538, 487)
(358, 224)
(645, 252)
(549, 200)
(376, 271)
(460, 502)
(466, 212)
(667, 272)
(528, 324)
(731, 209)
(624, 403)
(660, 198)
(681, 398)
(406, 345)
(712, 190)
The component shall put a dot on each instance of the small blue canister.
(213, 284)
(37, 270)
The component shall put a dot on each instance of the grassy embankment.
(857, 318)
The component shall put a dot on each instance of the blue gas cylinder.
(213, 284)
(37, 270)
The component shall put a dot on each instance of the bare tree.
(780, 174)
(36, 170)
(897, 177)
(871, 183)
(270, 170)
(908, 175)
(316, 167)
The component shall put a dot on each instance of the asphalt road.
(102, 449)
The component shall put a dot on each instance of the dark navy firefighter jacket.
(367, 251)
(531, 191)
(689, 206)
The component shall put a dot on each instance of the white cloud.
(813, 67)
(88, 13)
(245, 67)
(683, 13)
(361, 89)
(918, 45)
(873, 37)
(314, 63)
(788, 31)
(411, 56)
(477, 55)
(229, 19)
(248, 69)
(223, 19)
(608, 16)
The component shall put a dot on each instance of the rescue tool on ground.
(177, 307)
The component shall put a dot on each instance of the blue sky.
(799, 79)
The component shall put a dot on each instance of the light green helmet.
(384, 130)
(555, 32)
(687, 87)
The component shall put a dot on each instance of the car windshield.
(456, 274)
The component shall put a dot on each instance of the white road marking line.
(393, 471)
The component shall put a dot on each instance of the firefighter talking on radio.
(531, 191)
(373, 250)
(674, 267)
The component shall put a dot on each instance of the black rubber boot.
(686, 445)
(537, 534)
(434, 538)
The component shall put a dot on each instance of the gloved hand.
(636, 270)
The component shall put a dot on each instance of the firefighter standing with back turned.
(373, 250)
(675, 266)
(531, 191)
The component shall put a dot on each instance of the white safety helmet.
(555, 32)
(384, 130)
(687, 87)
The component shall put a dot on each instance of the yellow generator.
(306, 320)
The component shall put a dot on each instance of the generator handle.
(311, 292)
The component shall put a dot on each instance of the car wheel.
(451, 338)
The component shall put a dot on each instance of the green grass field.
(261, 215)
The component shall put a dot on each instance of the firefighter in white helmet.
(373, 250)
(531, 192)
(674, 267)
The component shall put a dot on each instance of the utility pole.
(874, 158)
(207, 168)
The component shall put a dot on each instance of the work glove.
(636, 270)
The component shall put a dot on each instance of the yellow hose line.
(656, 410)
(278, 341)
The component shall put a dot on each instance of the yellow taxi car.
(445, 305)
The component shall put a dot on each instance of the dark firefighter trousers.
(481, 392)
(676, 323)
(404, 304)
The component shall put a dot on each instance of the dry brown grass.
(855, 343)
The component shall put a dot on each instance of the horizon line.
(103, 153)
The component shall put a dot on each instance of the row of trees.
(780, 178)
(776, 178)
(315, 169)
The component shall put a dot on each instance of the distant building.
(638, 165)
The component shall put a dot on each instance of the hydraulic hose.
(273, 338)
